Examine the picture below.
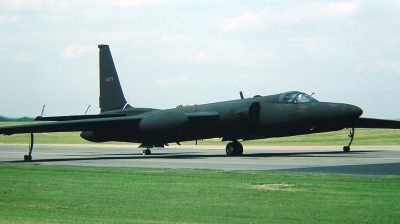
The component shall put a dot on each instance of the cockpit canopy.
(296, 97)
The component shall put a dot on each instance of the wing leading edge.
(78, 117)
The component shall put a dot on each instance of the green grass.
(363, 137)
(57, 194)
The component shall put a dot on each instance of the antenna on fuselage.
(241, 93)
(87, 109)
(42, 110)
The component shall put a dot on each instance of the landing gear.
(147, 152)
(234, 148)
(351, 135)
(28, 158)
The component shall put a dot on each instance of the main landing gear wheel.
(351, 136)
(146, 152)
(234, 149)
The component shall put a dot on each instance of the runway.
(379, 160)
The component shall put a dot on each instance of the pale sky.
(182, 52)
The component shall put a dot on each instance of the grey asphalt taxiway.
(380, 160)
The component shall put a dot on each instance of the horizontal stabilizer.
(78, 117)
(375, 123)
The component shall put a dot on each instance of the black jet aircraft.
(285, 114)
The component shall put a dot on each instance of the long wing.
(78, 117)
(65, 124)
(72, 125)
(375, 123)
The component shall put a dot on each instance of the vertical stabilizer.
(111, 95)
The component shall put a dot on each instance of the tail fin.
(111, 95)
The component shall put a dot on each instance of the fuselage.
(286, 114)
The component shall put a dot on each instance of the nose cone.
(352, 111)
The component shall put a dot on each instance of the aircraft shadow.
(366, 169)
(192, 155)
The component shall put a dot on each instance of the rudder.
(111, 95)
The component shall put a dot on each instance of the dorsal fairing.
(111, 95)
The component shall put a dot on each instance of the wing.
(375, 123)
(78, 117)
(65, 124)
(72, 125)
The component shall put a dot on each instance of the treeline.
(2, 118)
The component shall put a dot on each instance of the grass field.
(55, 194)
(363, 137)
(60, 194)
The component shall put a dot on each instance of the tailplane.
(111, 95)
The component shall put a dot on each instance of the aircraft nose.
(352, 111)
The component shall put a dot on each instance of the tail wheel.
(147, 152)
